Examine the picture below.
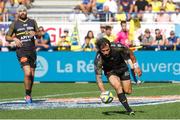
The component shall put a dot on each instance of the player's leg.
(32, 63)
(27, 77)
(127, 87)
(32, 77)
(24, 61)
(116, 84)
(27, 82)
(28, 65)
(126, 82)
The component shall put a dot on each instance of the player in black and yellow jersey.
(111, 58)
(22, 32)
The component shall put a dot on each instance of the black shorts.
(123, 74)
(27, 58)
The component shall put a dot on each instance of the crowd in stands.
(118, 10)
(107, 10)
(149, 40)
(103, 10)
(8, 8)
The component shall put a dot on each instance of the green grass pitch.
(13, 91)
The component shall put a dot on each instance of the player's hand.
(46, 46)
(31, 33)
(18, 42)
(104, 92)
(138, 71)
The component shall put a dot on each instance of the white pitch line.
(78, 93)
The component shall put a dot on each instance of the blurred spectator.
(123, 35)
(87, 5)
(63, 44)
(77, 15)
(169, 6)
(87, 45)
(108, 34)
(156, 5)
(127, 6)
(94, 15)
(120, 16)
(106, 15)
(146, 38)
(90, 34)
(74, 45)
(175, 17)
(99, 4)
(110, 6)
(1, 42)
(27, 3)
(173, 39)
(2, 39)
(2, 5)
(109, 10)
(43, 42)
(66, 32)
(159, 38)
(4, 45)
(10, 9)
(148, 16)
(162, 16)
(102, 33)
(140, 5)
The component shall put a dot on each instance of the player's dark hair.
(101, 43)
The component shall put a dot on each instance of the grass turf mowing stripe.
(78, 93)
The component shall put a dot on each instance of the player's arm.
(134, 64)
(130, 58)
(9, 35)
(98, 72)
(11, 38)
(100, 83)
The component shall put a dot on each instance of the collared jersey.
(20, 29)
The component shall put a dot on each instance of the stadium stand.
(45, 10)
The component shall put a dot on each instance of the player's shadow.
(118, 112)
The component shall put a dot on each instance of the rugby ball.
(106, 97)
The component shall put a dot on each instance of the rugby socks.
(123, 100)
(28, 92)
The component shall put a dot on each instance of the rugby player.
(111, 59)
(22, 32)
